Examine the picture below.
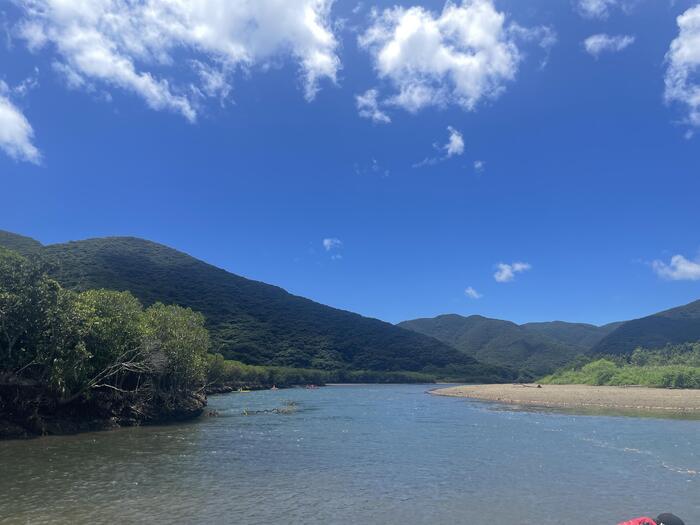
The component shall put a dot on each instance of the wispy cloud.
(454, 147)
(683, 59)
(595, 45)
(472, 293)
(678, 269)
(479, 166)
(596, 8)
(331, 243)
(368, 107)
(505, 273)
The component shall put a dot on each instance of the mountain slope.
(19, 243)
(677, 325)
(249, 320)
(581, 335)
(497, 342)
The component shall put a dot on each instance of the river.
(359, 454)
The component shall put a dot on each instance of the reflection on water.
(359, 454)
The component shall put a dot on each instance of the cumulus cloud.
(455, 145)
(505, 273)
(134, 45)
(472, 293)
(479, 166)
(16, 133)
(462, 56)
(331, 243)
(602, 43)
(368, 107)
(679, 269)
(683, 59)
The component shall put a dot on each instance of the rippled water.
(359, 454)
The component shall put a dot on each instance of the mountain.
(498, 342)
(248, 320)
(677, 325)
(580, 335)
(19, 243)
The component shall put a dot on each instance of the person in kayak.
(663, 519)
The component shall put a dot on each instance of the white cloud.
(133, 45)
(455, 145)
(479, 166)
(453, 148)
(506, 272)
(332, 243)
(16, 133)
(368, 107)
(472, 293)
(462, 56)
(602, 43)
(597, 8)
(683, 60)
(679, 269)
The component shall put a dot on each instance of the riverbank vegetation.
(224, 375)
(74, 361)
(674, 366)
(234, 374)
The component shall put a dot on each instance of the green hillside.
(674, 326)
(498, 342)
(250, 321)
(580, 335)
(19, 243)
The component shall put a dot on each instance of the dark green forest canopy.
(674, 326)
(499, 342)
(250, 321)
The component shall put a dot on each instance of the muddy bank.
(26, 411)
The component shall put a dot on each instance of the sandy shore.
(583, 397)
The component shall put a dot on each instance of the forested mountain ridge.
(581, 335)
(674, 326)
(544, 347)
(248, 320)
(498, 342)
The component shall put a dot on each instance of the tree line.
(69, 344)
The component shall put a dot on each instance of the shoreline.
(583, 397)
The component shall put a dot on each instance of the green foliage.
(111, 324)
(38, 329)
(675, 366)
(236, 374)
(251, 321)
(71, 343)
(497, 342)
(176, 337)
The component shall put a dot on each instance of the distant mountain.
(677, 325)
(499, 342)
(250, 321)
(19, 243)
(579, 335)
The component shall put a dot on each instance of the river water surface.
(359, 454)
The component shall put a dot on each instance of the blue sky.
(487, 133)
